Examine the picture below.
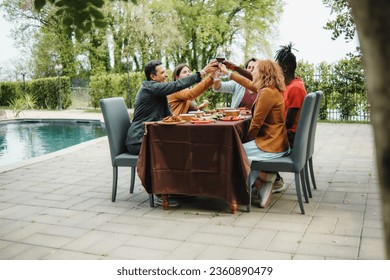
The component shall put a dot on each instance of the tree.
(40, 36)
(373, 22)
(344, 22)
(203, 25)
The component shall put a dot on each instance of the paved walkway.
(58, 207)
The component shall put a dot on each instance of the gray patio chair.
(310, 144)
(296, 160)
(117, 122)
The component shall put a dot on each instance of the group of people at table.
(270, 89)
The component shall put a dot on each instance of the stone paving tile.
(373, 233)
(34, 253)
(285, 242)
(7, 226)
(325, 225)
(187, 251)
(217, 239)
(215, 252)
(349, 227)
(250, 254)
(85, 241)
(153, 243)
(372, 249)
(13, 250)
(60, 254)
(328, 251)
(181, 232)
(48, 240)
(136, 253)
(19, 212)
(307, 257)
(225, 230)
(258, 239)
(326, 239)
(24, 232)
(71, 232)
(108, 244)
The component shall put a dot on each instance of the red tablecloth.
(196, 159)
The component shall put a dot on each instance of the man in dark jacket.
(151, 104)
(151, 100)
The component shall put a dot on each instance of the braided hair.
(285, 58)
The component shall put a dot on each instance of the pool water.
(25, 139)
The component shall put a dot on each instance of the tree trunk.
(373, 26)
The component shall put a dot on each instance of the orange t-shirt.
(293, 97)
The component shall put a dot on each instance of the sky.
(301, 23)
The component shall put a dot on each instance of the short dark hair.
(177, 70)
(249, 60)
(285, 58)
(150, 68)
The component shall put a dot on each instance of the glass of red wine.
(220, 57)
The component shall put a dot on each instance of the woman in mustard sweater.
(182, 101)
(267, 133)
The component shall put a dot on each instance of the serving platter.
(171, 123)
(230, 119)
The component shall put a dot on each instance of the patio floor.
(59, 207)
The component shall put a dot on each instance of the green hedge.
(114, 85)
(45, 91)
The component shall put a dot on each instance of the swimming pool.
(29, 138)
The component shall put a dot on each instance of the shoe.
(255, 195)
(265, 191)
(278, 185)
(172, 202)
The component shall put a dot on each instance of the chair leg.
(312, 173)
(307, 181)
(304, 189)
(151, 200)
(114, 183)
(132, 180)
(299, 195)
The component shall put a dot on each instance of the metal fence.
(80, 98)
(345, 98)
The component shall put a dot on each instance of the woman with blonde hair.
(267, 135)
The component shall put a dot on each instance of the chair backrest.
(313, 124)
(117, 122)
(299, 151)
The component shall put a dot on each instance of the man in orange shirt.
(293, 97)
(295, 90)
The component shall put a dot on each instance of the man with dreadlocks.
(295, 90)
(293, 97)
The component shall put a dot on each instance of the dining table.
(196, 159)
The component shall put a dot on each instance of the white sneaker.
(265, 194)
(265, 191)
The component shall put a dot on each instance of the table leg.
(165, 202)
(233, 207)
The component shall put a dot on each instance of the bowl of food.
(187, 117)
(221, 110)
(233, 113)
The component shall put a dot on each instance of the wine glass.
(220, 57)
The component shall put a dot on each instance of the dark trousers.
(134, 149)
